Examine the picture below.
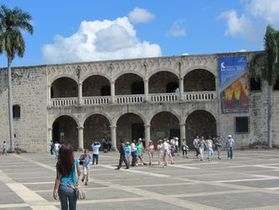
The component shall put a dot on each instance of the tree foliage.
(265, 65)
(12, 23)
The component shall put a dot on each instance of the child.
(185, 149)
(84, 161)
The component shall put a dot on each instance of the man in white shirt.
(95, 148)
(230, 144)
(196, 145)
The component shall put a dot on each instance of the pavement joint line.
(87, 188)
(16, 205)
(143, 193)
(275, 207)
(27, 195)
(183, 166)
(139, 172)
(247, 180)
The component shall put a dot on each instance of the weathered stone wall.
(29, 91)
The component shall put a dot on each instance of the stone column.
(49, 139)
(181, 88)
(147, 134)
(80, 138)
(113, 136)
(182, 133)
(112, 91)
(49, 95)
(80, 93)
(146, 90)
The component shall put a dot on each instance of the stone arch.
(86, 76)
(199, 80)
(96, 128)
(200, 123)
(161, 81)
(61, 76)
(64, 87)
(115, 77)
(162, 70)
(94, 86)
(164, 124)
(130, 126)
(65, 130)
(125, 84)
(205, 67)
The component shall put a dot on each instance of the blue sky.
(143, 28)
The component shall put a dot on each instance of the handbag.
(80, 194)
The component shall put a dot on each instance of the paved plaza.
(251, 181)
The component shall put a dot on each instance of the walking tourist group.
(67, 187)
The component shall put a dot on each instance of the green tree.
(266, 67)
(12, 23)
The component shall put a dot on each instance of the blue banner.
(233, 74)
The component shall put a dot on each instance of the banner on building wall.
(234, 85)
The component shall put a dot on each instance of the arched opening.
(96, 128)
(163, 82)
(64, 87)
(96, 85)
(276, 85)
(128, 84)
(164, 125)
(65, 130)
(200, 123)
(199, 80)
(129, 127)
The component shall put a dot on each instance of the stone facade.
(126, 99)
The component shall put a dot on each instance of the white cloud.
(268, 10)
(139, 15)
(99, 40)
(177, 29)
(251, 23)
(236, 24)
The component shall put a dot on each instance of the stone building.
(129, 99)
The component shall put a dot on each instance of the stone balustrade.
(96, 100)
(62, 102)
(129, 99)
(136, 99)
(163, 97)
(199, 96)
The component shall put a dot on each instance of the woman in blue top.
(67, 173)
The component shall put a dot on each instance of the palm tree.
(265, 66)
(12, 23)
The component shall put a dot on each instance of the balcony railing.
(136, 99)
(96, 100)
(199, 96)
(62, 102)
(163, 97)
(129, 99)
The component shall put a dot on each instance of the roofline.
(132, 59)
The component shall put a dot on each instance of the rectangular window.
(16, 111)
(241, 124)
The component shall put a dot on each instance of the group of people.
(212, 145)
(131, 154)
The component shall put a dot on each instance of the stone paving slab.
(237, 201)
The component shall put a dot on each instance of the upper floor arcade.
(152, 80)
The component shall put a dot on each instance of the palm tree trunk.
(269, 111)
(10, 104)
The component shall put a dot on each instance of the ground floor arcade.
(132, 126)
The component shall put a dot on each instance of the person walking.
(56, 149)
(85, 162)
(134, 154)
(150, 150)
(128, 152)
(185, 149)
(95, 154)
(196, 146)
(4, 148)
(230, 145)
(122, 157)
(160, 152)
(209, 146)
(67, 173)
(201, 147)
(139, 147)
(218, 146)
